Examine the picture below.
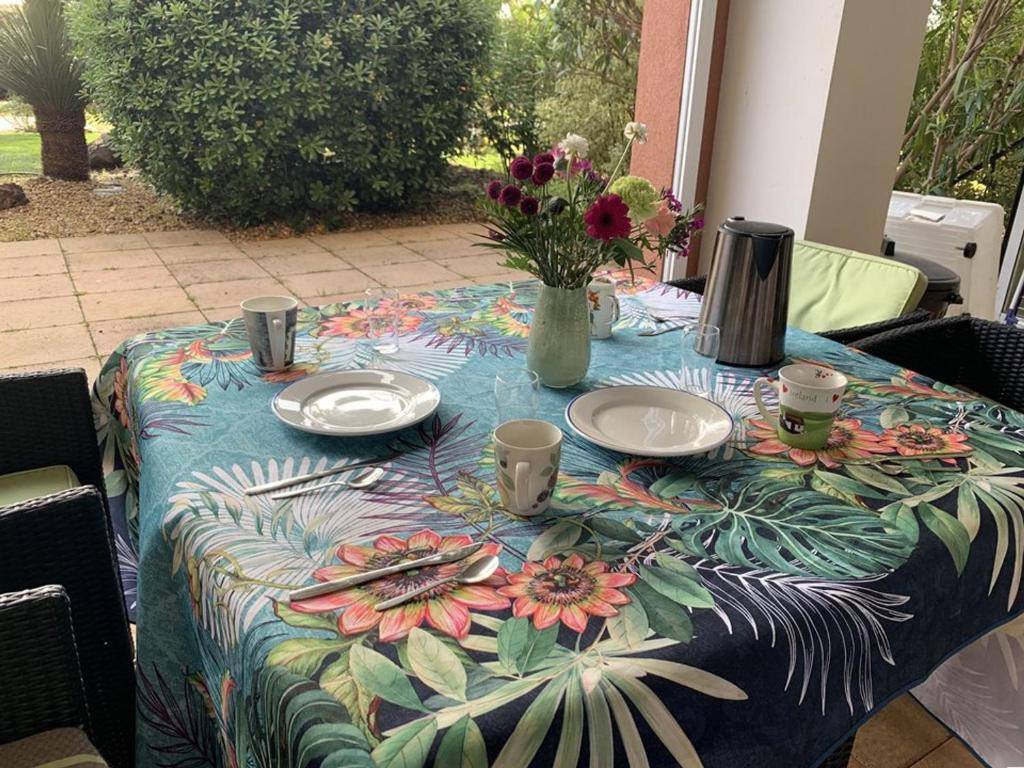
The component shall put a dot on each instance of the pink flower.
(662, 222)
(510, 195)
(542, 174)
(521, 168)
(608, 218)
(446, 607)
(494, 189)
(529, 206)
(570, 591)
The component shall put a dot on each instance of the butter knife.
(361, 578)
(290, 481)
(660, 331)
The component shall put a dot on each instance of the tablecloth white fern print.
(747, 608)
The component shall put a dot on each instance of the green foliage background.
(562, 66)
(285, 109)
(965, 131)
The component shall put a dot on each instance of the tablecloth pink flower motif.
(570, 591)
(445, 608)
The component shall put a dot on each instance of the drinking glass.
(383, 321)
(516, 394)
(700, 351)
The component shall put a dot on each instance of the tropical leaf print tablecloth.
(745, 608)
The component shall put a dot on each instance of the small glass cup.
(516, 394)
(383, 319)
(700, 345)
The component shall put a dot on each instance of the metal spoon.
(477, 571)
(365, 480)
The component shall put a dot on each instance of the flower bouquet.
(558, 219)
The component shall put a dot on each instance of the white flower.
(636, 132)
(574, 146)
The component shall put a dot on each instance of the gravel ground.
(70, 209)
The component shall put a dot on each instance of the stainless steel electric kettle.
(747, 294)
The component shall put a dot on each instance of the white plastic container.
(964, 235)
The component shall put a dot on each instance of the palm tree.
(37, 64)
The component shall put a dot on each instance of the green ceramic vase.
(559, 347)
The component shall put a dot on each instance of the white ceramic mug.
(270, 324)
(809, 396)
(604, 307)
(527, 453)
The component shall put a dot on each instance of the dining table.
(750, 606)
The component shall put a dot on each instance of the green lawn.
(489, 160)
(19, 152)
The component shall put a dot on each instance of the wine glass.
(700, 345)
(516, 394)
(383, 307)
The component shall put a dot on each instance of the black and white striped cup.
(270, 323)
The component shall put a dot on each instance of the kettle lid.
(737, 225)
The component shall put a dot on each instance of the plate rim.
(647, 453)
(353, 432)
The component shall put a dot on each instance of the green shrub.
(583, 104)
(252, 110)
(594, 55)
(516, 79)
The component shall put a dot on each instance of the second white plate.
(356, 403)
(649, 421)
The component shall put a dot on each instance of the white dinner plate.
(356, 403)
(649, 421)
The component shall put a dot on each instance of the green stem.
(622, 159)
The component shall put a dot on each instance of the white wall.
(872, 85)
(813, 100)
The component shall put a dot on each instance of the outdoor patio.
(69, 302)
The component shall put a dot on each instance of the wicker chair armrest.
(858, 332)
(66, 539)
(47, 420)
(41, 683)
(691, 284)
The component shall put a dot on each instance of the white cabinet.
(963, 235)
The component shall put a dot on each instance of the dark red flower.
(510, 195)
(521, 168)
(544, 157)
(529, 206)
(543, 173)
(494, 189)
(608, 218)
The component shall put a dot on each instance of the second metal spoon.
(365, 480)
(477, 571)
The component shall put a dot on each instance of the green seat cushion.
(22, 486)
(59, 748)
(833, 288)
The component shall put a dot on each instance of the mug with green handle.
(809, 397)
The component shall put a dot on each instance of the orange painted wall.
(659, 88)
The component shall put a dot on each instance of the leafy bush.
(594, 57)
(516, 78)
(581, 104)
(263, 109)
(965, 131)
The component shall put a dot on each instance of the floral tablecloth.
(746, 608)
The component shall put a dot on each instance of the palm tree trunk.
(64, 153)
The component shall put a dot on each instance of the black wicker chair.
(979, 355)
(41, 683)
(47, 420)
(842, 335)
(66, 540)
